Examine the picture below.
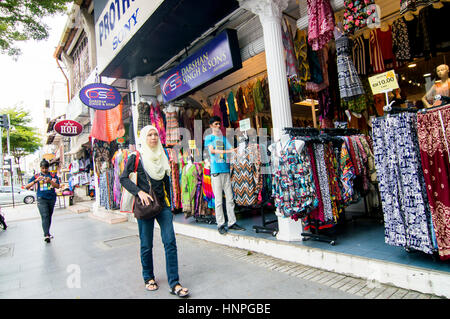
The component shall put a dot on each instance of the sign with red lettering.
(68, 128)
(100, 96)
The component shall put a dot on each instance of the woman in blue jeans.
(153, 167)
(45, 184)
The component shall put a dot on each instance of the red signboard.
(68, 128)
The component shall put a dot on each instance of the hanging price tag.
(382, 83)
(192, 145)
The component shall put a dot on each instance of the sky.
(28, 81)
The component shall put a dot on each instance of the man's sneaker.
(236, 227)
(222, 230)
(47, 239)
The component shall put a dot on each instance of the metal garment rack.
(314, 135)
(258, 228)
(265, 222)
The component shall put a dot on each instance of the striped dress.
(376, 56)
(208, 194)
(359, 55)
(172, 131)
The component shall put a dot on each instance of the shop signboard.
(68, 128)
(384, 82)
(100, 96)
(117, 24)
(217, 58)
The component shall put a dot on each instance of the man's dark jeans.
(165, 221)
(46, 207)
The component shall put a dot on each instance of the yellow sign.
(49, 156)
(382, 83)
(192, 145)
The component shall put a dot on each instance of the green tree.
(23, 139)
(22, 20)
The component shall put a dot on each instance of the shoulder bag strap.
(136, 161)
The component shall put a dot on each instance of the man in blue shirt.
(218, 147)
(45, 184)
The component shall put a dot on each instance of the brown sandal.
(151, 285)
(180, 292)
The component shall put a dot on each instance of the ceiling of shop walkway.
(173, 26)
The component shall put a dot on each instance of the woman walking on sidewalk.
(153, 171)
(46, 196)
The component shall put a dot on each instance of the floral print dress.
(321, 23)
(356, 14)
(293, 181)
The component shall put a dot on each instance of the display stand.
(209, 219)
(370, 214)
(311, 103)
(265, 222)
(319, 237)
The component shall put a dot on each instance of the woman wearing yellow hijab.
(154, 167)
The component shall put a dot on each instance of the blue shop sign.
(219, 57)
(100, 96)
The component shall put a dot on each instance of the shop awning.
(170, 29)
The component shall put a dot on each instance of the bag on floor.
(127, 199)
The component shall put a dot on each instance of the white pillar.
(270, 14)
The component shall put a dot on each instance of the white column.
(270, 14)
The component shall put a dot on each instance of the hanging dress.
(404, 203)
(172, 129)
(208, 194)
(245, 174)
(321, 23)
(291, 61)
(434, 140)
(293, 180)
(158, 122)
(349, 82)
(188, 189)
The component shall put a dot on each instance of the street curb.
(376, 272)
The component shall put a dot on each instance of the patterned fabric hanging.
(172, 129)
(357, 13)
(246, 178)
(293, 182)
(398, 165)
(434, 141)
(188, 189)
(301, 53)
(349, 82)
(157, 121)
(291, 61)
(321, 23)
(413, 5)
(208, 194)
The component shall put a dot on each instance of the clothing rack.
(311, 135)
(425, 110)
(236, 84)
(265, 222)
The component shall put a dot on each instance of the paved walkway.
(91, 259)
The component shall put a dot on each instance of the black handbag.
(151, 210)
